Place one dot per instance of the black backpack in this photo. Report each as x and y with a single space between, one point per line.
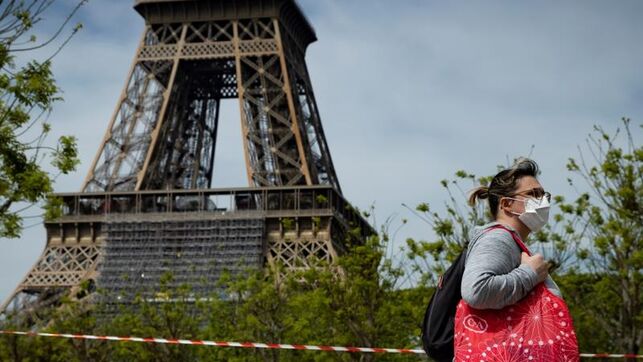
438 325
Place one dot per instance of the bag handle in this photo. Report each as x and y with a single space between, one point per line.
516 238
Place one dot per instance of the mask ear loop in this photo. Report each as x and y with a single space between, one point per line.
513 199
510 198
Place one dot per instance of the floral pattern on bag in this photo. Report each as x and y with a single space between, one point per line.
537 328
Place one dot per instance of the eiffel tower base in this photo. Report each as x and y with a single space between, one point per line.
124 243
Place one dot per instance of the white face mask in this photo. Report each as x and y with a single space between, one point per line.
536 212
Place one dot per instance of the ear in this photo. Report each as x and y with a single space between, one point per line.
505 203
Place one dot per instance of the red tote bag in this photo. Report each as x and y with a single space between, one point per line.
536 328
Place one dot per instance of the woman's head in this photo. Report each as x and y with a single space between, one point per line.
508 183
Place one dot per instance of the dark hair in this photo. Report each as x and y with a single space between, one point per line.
504 184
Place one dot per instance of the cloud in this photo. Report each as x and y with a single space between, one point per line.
409 92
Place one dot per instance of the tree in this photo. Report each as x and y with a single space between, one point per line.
612 247
364 304
593 243
28 92
453 228
356 302
171 313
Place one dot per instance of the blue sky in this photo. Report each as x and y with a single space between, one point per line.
409 92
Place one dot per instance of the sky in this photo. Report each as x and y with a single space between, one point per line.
409 92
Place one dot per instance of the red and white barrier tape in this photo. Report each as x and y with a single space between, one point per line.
605 355
220 344
263 345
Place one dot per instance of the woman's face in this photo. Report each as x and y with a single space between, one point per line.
528 186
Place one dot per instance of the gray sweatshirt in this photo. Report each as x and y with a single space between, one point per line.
493 276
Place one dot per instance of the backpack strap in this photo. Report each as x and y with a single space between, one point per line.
516 238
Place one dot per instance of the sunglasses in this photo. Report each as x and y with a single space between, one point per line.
536 193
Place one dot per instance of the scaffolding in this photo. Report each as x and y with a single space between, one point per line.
195 253
123 243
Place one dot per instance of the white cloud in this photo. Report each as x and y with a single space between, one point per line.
409 92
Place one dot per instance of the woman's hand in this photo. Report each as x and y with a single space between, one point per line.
537 263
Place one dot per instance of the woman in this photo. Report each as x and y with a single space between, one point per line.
506 312
497 272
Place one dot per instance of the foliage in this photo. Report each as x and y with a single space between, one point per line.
357 304
612 247
28 92
585 295
365 299
452 230
593 244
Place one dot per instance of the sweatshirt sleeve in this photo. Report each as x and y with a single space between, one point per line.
493 277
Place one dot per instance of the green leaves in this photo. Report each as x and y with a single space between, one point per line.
25 17
65 158
287 223
443 228
360 304
423 207
612 234
33 183
34 85
11 226
572 165
451 226
27 93
594 238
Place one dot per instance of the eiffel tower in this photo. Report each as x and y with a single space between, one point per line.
146 206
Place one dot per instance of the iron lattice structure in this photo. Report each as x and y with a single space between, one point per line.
192 55
146 206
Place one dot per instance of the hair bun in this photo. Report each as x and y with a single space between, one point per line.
479 193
